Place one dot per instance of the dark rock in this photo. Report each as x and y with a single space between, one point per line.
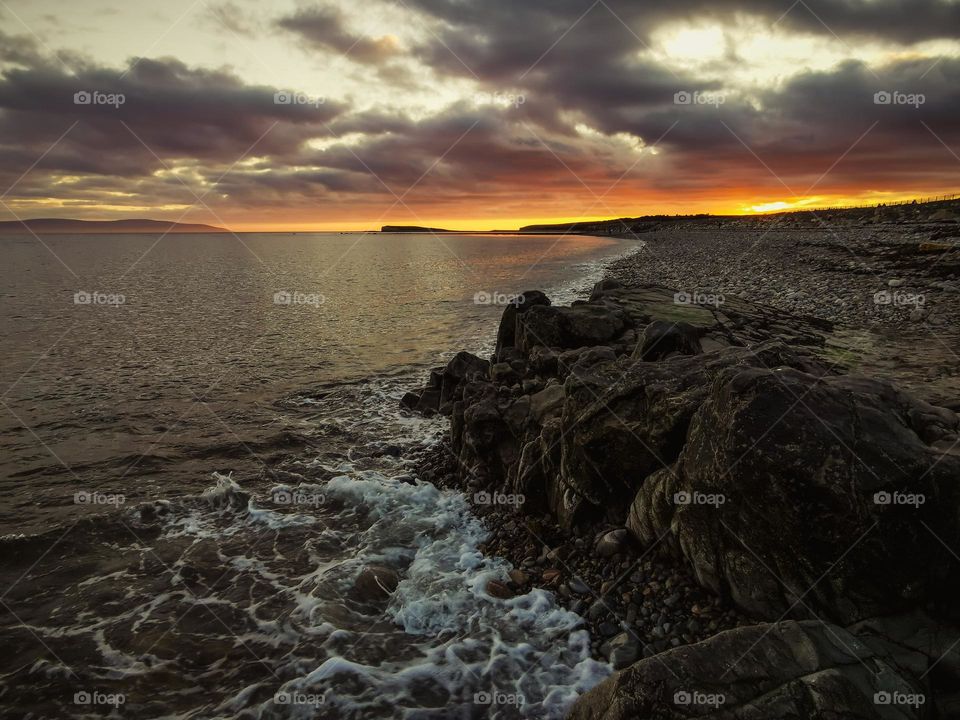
544 360
578 586
602 287
583 358
625 420
376 582
624 650
763 672
503 374
519 577
429 401
547 403
507 332
662 339
569 327
827 489
728 439
607 629
497 589
612 543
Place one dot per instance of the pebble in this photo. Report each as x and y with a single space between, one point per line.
612 543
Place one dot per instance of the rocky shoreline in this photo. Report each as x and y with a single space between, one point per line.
635 603
742 517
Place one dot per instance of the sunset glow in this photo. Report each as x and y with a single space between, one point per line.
324 116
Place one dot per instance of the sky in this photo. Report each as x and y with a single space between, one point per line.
471 114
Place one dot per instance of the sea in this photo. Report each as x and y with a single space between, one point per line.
203 449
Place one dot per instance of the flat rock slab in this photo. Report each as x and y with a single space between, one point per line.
790 669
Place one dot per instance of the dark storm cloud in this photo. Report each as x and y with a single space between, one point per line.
324 27
173 112
581 56
829 128
571 62
501 40
462 149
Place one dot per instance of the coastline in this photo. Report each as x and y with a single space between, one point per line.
545 555
538 422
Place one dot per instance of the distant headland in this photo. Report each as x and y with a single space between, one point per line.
64 226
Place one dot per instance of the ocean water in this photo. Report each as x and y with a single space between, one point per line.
202 449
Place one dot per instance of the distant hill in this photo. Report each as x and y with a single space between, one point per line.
411 229
935 210
62 226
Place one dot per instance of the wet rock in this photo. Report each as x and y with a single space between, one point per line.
612 542
497 589
608 628
429 401
551 576
376 582
598 609
410 400
578 586
519 577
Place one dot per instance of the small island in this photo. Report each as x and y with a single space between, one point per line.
411 229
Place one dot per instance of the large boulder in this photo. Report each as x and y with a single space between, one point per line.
624 420
581 325
507 332
784 671
836 495
445 384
